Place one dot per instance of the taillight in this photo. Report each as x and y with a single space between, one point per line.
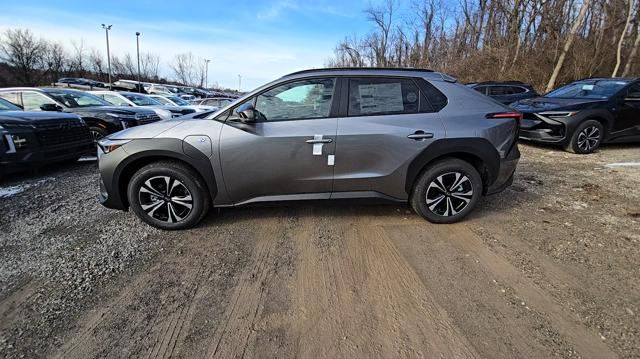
514 115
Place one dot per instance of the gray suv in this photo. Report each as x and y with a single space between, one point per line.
394 134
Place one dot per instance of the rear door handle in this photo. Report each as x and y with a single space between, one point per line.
323 140
420 135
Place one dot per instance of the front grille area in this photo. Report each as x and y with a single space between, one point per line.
57 132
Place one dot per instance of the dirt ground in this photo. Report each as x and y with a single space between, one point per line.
549 268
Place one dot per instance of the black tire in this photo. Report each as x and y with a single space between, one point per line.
458 177
97 133
586 138
172 210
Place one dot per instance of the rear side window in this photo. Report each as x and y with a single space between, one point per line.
500 90
481 89
376 96
518 89
13 97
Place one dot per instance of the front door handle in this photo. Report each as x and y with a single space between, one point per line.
321 140
420 135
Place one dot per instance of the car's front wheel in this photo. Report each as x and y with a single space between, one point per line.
168 195
447 191
586 138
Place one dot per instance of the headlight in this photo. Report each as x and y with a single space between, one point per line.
164 114
558 114
107 145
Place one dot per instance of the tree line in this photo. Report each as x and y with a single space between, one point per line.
28 60
542 42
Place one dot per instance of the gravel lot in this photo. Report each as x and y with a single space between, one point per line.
550 267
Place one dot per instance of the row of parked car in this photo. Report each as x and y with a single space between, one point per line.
44 125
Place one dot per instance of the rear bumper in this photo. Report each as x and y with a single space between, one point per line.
505 173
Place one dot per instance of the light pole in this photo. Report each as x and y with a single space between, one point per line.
239 82
206 73
106 31
138 50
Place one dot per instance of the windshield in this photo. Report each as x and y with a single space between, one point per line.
8 106
141 100
602 89
162 100
178 101
73 99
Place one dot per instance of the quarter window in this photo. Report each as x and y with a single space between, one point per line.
298 100
383 97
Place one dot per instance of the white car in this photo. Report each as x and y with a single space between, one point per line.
159 90
177 101
135 99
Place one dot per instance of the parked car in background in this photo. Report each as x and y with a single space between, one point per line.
101 117
177 101
134 99
584 114
218 102
505 91
31 139
80 81
404 135
159 90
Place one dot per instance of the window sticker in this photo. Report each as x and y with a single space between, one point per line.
587 87
381 98
412 97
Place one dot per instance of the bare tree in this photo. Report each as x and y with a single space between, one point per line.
621 40
567 45
55 59
632 55
22 50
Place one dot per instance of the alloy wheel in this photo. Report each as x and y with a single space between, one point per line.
449 194
165 199
97 136
588 138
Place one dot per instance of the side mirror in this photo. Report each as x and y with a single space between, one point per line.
50 107
246 112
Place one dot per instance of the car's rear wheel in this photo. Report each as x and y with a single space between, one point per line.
586 138
447 191
168 195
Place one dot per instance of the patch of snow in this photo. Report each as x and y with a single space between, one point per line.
623 164
6 192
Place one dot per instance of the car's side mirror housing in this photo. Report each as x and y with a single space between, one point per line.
50 107
246 113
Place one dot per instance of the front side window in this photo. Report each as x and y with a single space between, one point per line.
31 101
75 99
162 100
141 100
378 96
298 100
481 89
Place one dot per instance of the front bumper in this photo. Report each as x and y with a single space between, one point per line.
537 128
505 174
33 155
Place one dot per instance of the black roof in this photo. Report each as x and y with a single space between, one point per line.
510 82
410 69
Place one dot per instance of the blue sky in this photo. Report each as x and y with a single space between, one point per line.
259 40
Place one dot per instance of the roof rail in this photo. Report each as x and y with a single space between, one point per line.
411 69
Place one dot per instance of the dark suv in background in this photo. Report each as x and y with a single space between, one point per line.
30 139
395 134
584 114
101 117
505 91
